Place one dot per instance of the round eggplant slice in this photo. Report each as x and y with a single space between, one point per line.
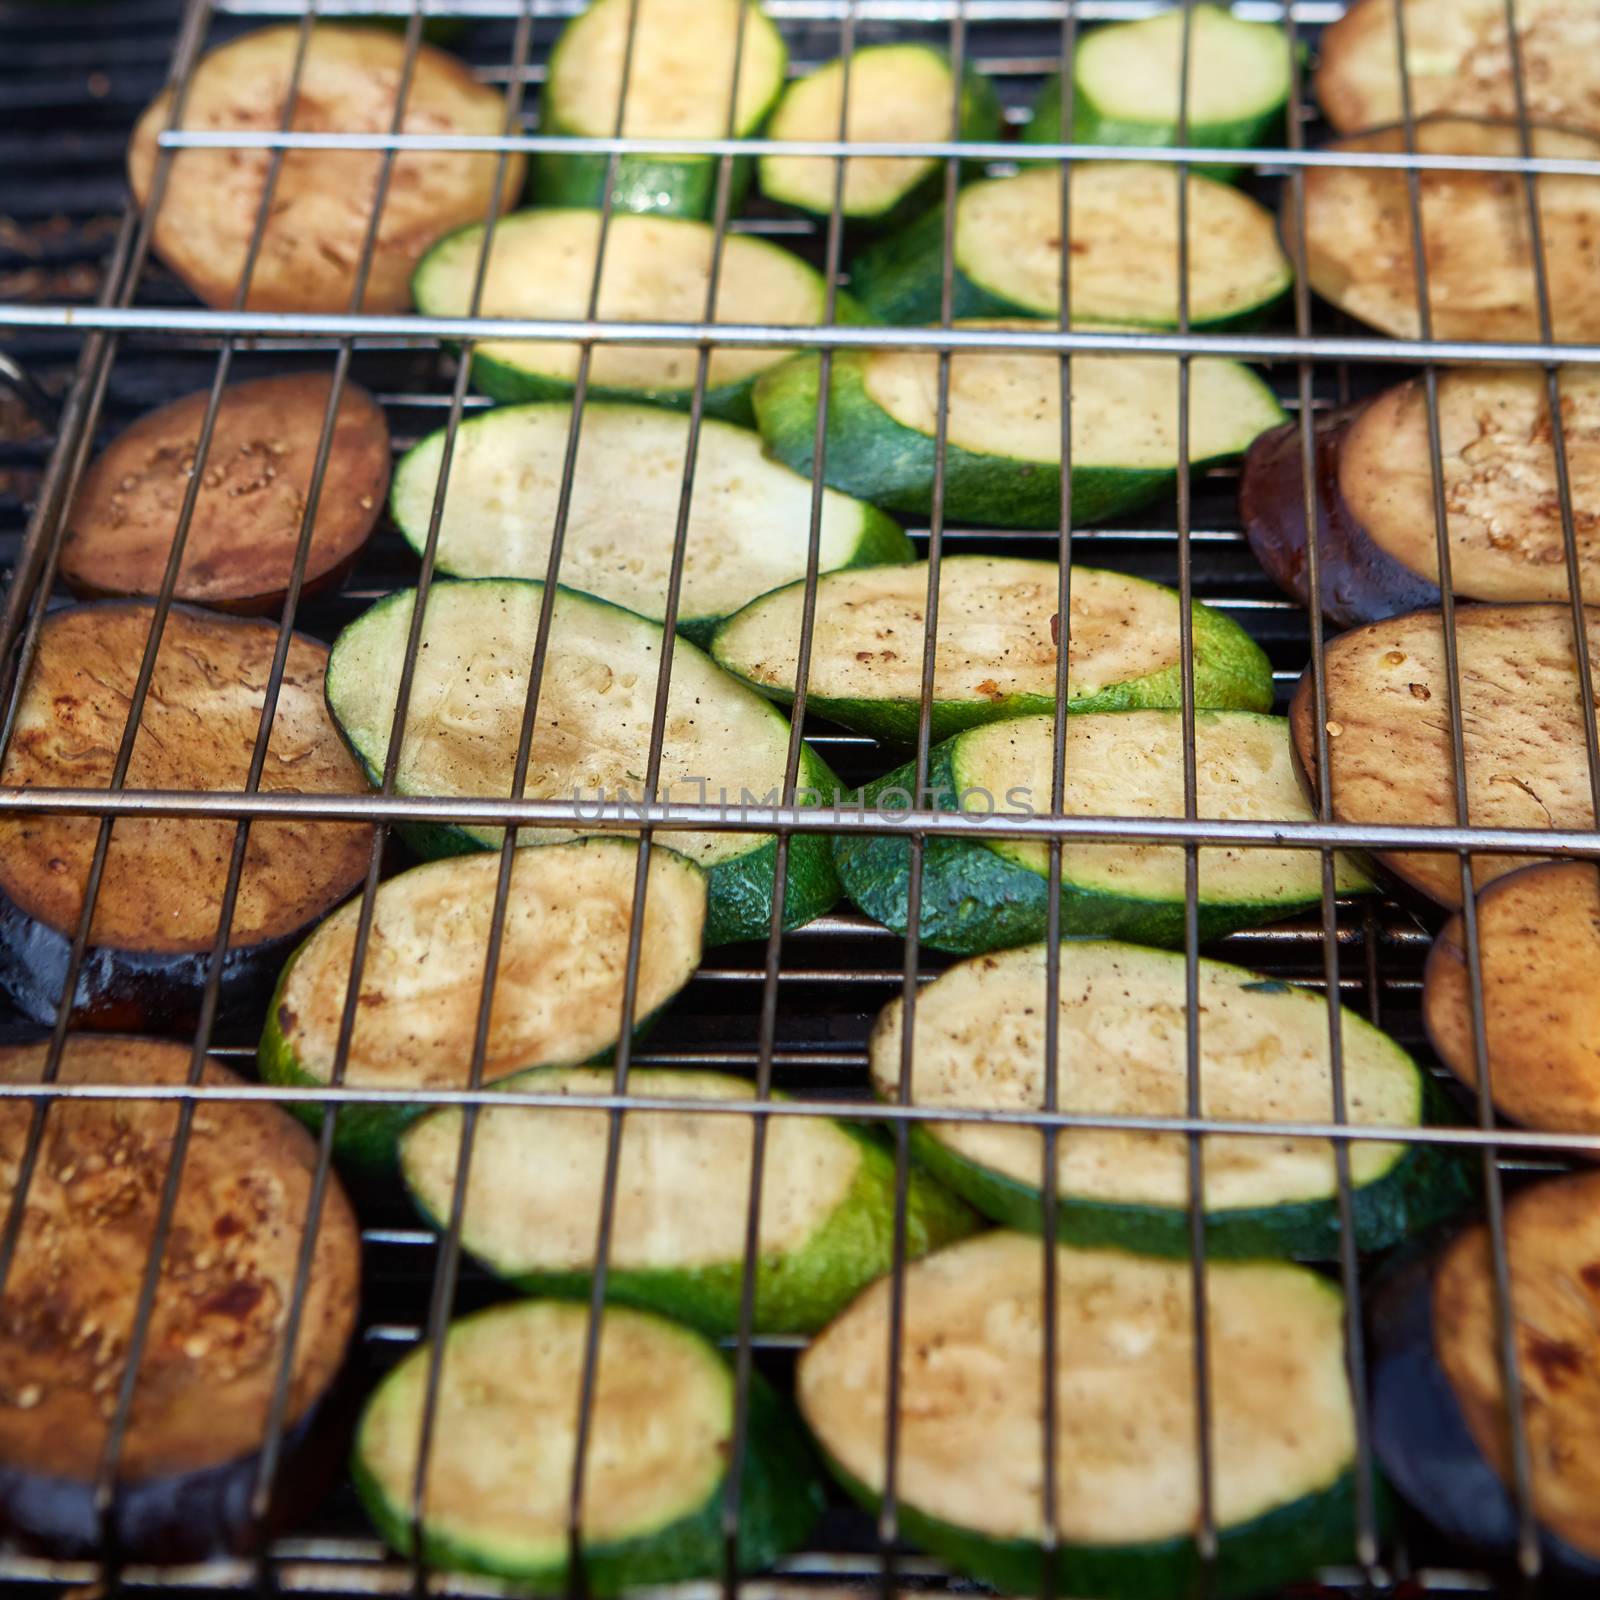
1458 59
1539 944
1476 240
215 1346
242 538
1441 1425
155 918
1389 736
322 201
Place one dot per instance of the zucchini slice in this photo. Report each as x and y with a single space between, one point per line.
155 918
683 1190
1124 251
900 92
499 1473
1459 61
723 745
1389 731
210 1365
749 520
322 201
1379 552
979 1045
970 1446
1003 428
246 525
1481 281
980 895
1126 89
558 990
656 269
997 649
1539 942
680 83
1440 1425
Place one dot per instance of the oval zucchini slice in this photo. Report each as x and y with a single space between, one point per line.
542 264
979 895
683 1190
1481 282
979 1045
1003 428
1124 251
723 745
749 519
322 201
996 654
1539 944
193 1453
899 92
970 1445
1125 81
558 989
1441 1425
499 1474
679 69
1459 60
1389 741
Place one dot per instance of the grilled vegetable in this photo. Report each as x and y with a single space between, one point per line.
988 895
246 524
979 1045
677 60
722 745
683 1191
969 1461
1124 251
500 1466
898 92
1479 257
1441 1426
1003 428
656 269
322 202
1389 736
749 523
215 1347
1374 484
1539 943
997 646
558 989
155 918
1458 60
1126 82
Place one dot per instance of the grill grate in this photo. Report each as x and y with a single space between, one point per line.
87 311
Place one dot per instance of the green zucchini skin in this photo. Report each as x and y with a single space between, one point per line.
872 456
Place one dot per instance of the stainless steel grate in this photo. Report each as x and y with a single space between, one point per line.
794 1014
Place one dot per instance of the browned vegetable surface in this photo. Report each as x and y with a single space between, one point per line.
322 202
216 1334
247 517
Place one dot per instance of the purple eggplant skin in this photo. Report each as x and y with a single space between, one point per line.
1359 582
1423 1445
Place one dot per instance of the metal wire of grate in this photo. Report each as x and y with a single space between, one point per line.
792 1013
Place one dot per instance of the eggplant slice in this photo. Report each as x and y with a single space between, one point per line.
212 1357
1375 502
1441 1426
155 919
1389 731
1476 237
1539 943
1458 59
246 525
322 202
